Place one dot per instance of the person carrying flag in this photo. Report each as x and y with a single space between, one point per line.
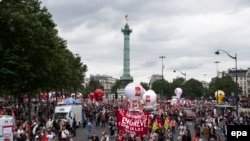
1 111
166 123
155 124
173 125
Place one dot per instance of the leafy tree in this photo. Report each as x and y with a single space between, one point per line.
206 93
78 73
177 83
27 37
160 85
144 85
115 86
226 84
193 88
33 57
93 84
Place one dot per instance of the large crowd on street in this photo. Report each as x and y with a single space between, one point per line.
210 124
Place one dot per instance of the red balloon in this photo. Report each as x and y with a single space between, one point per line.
98 94
91 95
99 91
96 97
43 95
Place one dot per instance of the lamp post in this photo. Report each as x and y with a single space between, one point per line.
217 74
236 76
162 67
183 73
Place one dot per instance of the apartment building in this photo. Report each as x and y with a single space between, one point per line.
153 78
106 81
243 79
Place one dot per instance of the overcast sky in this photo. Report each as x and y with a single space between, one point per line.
186 32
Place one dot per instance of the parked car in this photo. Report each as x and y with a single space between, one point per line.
189 114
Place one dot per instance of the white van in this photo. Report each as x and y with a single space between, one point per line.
68 112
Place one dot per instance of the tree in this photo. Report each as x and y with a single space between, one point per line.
93 84
177 83
27 37
226 84
144 85
160 85
33 57
115 86
193 88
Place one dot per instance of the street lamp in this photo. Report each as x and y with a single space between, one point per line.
183 73
162 67
236 75
217 73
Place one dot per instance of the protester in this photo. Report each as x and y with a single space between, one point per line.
89 127
94 137
104 136
64 134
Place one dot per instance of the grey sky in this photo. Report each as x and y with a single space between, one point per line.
186 32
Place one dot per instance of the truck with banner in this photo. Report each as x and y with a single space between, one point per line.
6 127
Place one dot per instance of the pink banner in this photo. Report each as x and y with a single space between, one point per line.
132 122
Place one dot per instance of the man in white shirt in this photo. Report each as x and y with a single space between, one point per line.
64 133
20 131
49 123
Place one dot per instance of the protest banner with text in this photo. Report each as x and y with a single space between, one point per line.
132 122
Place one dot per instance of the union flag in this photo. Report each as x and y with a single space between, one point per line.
155 124
166 122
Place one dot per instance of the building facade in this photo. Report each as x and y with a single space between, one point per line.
106 81
243 80
248 81
153 78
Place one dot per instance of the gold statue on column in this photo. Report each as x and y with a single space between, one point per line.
126 18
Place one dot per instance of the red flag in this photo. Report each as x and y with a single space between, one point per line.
149 120
1 111
195 136
44 137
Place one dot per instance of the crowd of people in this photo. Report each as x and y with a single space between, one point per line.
210 123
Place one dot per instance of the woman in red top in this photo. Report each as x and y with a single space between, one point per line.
120 136
1 111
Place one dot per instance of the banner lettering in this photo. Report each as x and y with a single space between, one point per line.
132 122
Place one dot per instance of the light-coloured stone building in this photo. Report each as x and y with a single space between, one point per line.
106 81
243 79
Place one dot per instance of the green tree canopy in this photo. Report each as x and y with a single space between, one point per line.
92 85
161 87
193 89
144 85
177 83
33 57
226 84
